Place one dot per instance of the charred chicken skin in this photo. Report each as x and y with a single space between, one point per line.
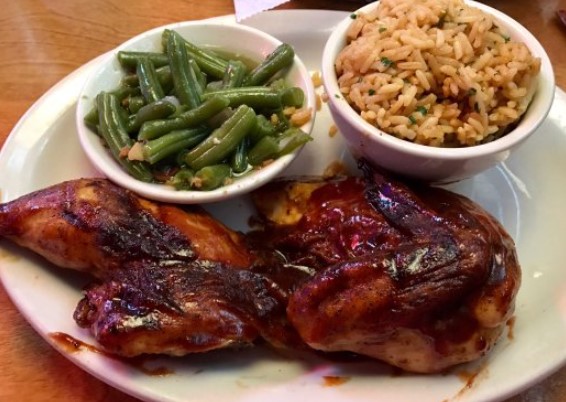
417 277
94 226
183 308
170 279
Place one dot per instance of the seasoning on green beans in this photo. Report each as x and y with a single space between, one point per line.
112 129
195 119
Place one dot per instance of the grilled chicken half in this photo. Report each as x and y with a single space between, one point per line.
418 277
169 280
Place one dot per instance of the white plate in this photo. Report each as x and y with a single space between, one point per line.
527 195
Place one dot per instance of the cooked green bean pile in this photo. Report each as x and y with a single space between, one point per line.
195 119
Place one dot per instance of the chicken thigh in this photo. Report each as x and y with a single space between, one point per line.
170 280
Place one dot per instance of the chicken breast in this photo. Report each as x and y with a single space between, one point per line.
415 276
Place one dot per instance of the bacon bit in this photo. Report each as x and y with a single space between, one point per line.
316 79
135 153
335 169
318 102
196 182
124 152
289 110
332 131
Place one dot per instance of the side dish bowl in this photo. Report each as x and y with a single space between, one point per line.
249 44
425 162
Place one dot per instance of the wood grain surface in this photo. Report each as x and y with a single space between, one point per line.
42 41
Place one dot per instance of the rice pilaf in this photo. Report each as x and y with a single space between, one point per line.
435 72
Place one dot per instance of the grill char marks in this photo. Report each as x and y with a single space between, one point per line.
180 309
412 275
94 226
418 277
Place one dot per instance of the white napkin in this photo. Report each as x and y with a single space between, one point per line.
247 8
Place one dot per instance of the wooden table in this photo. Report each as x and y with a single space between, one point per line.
43 41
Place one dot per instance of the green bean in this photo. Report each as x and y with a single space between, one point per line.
211 177
129 59
180 110
279 84
209 62
114 133
124 115
135 103
227 118
91 119
122 92
266 148
262 129
157 110
200 76
172 143
239 159
149 84
190 118
293 96
213 86
255 97
274 147
234 74
278 60
130 80
182 179
163 76
223 141
291 139
220 117
185 81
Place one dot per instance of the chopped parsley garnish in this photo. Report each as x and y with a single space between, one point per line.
413 120
337 96
387 62
422 110
506 38
382 29
472 92
371 91
353 16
